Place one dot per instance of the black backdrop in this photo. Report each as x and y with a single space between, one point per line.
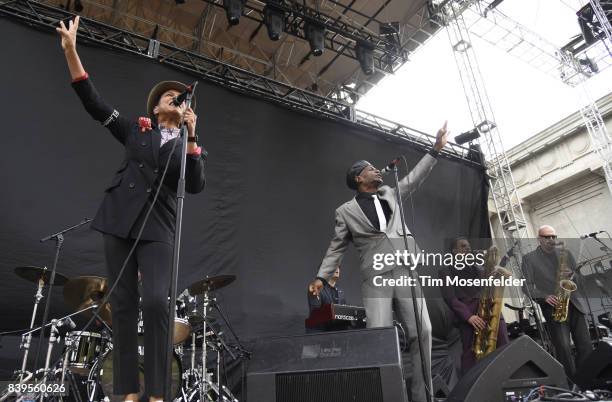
275 177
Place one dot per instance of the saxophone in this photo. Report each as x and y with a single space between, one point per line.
565 287
489 307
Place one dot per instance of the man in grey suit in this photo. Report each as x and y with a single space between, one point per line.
540 267
371 221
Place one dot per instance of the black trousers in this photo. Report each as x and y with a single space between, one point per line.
154 261
576 325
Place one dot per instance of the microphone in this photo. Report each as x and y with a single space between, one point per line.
594 235
178 100
387 169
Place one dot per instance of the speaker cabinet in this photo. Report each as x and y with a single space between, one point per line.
345 366
509 373
596 370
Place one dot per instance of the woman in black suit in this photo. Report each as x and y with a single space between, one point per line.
121 218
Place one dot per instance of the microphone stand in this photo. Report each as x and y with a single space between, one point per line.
417 316
59 241
582 288
536 311
180 198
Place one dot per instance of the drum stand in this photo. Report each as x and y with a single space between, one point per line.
26 340
197 378
53 338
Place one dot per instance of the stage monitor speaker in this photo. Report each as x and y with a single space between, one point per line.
509 373
596 370
357 366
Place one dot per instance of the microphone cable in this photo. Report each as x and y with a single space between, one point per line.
419 311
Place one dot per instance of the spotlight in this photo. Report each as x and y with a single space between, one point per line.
468 136
315 34
153 48
485 126
365 56
461 46
233 10
274 18
475 154
590 64
390 31
588 24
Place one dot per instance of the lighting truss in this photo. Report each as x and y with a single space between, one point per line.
340 36
214 71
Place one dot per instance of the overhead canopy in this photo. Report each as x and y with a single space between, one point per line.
201 26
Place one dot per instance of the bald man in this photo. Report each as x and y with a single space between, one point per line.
541 266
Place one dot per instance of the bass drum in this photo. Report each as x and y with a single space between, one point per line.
104 370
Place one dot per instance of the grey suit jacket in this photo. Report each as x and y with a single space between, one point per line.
541 273
352 225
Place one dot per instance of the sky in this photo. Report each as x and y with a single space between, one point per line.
427 89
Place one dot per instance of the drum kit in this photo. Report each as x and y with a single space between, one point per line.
86 361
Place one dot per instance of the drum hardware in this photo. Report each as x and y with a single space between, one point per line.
101 375
182 327
86 360
85 291
83 349
40 277
53 338
211 338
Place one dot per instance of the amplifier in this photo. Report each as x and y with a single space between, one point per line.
345 366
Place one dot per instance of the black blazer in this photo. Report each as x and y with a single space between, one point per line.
541 274
132 189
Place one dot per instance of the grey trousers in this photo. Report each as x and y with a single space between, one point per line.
577 326
381 302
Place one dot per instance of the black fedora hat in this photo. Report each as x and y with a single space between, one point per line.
159 89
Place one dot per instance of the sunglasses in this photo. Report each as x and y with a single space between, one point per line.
551 237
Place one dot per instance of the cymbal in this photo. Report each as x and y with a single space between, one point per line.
84 291
213 283
33 274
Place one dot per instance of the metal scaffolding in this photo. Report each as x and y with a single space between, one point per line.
494 27
503 188
601 141
574 64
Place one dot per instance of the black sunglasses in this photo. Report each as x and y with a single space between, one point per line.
550 237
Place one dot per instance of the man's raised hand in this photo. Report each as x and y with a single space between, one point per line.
441 137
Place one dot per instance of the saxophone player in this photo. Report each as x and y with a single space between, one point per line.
464 301
542 268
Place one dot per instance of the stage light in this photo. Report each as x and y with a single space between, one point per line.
153 47
475 154
462 46
492 6
315 34
233 10
486 126
588 24
365 56
468 136
590 64
274 18
389 30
